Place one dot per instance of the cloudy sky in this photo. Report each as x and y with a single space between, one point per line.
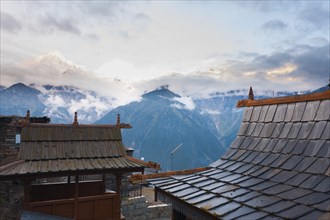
195 47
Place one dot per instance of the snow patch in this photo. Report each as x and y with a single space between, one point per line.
210 112
184 103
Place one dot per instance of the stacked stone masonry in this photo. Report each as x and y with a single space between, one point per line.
138 209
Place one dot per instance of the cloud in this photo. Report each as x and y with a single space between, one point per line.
73 17
315 15
106 10
300 67
314 63
142 17
9 23
273 25
52 24
269 6
52 68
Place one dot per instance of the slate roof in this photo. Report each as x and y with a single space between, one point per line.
48 149
277 167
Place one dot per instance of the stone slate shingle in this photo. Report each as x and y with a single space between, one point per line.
310 111
263 113
323 111
299 110
289 112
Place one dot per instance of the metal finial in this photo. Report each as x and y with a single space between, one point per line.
75 121
251 95
118 120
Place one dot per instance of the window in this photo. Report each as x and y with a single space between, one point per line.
18 139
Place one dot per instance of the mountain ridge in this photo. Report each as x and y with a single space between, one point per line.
161 119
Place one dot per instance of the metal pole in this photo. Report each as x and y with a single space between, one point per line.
171 161
177 147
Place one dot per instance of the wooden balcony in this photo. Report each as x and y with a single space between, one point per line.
89 207
83 200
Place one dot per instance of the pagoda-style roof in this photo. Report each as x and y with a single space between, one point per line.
57 149
277 167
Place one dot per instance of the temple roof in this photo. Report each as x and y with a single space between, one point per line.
57 149
278 166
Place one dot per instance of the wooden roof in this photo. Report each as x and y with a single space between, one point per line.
277 167
58 132
47 149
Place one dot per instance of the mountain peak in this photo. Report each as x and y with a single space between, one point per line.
162 91
21 87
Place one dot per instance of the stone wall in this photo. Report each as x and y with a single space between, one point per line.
8 147
137 208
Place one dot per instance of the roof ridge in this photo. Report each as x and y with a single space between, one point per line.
286 99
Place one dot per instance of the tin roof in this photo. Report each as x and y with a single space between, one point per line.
278 166
47 149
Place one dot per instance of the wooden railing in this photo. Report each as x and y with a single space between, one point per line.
90 207
56 191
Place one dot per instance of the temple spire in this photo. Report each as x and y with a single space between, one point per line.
118 120
75 121
27 118
251 95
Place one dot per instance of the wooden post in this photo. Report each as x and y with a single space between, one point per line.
27 190
76 195
156 194
103 185
118 190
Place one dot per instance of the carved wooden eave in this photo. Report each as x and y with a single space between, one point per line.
282 100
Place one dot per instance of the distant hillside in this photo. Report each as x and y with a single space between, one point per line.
322 89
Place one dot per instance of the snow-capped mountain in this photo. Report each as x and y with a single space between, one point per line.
62 101
161 121
57 102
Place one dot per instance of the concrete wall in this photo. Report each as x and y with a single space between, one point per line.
138 209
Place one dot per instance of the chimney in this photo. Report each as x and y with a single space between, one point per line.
251 95
75 121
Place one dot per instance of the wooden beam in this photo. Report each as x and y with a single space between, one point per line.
282 100
140 177
148 164
27 191
70 173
